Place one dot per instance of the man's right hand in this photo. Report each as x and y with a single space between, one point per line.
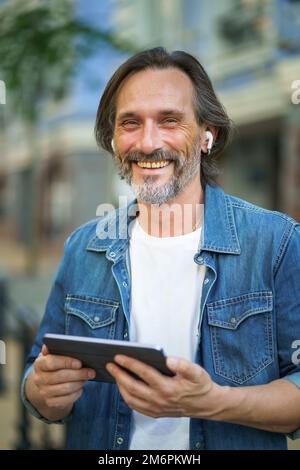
55 383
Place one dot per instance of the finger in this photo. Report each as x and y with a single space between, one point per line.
147 373
64 389
135 403
45 350
145 406
133 386
188 370
66 375
52 362
62 402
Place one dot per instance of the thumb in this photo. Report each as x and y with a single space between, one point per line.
186 369
45 350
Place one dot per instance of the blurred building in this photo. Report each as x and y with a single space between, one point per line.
251 50
72 175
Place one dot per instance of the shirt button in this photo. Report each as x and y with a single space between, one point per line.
206 281
112 254
96 318
201 260
124 284
125 334
120 440
198 445
233 320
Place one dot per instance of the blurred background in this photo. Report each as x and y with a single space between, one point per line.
55 59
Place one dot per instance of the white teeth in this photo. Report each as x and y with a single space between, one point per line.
160 164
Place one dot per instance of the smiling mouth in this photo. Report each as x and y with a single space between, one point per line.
149 164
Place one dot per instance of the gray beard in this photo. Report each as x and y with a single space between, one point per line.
185 170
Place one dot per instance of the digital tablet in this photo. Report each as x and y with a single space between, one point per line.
96 353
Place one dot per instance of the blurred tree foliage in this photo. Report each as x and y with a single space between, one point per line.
41 44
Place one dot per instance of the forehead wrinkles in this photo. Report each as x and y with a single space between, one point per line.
171 86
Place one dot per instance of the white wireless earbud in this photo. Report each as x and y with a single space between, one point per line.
210 139
113 145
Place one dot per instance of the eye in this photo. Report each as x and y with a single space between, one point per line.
170 121
130 124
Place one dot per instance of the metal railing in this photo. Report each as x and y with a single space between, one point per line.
25 321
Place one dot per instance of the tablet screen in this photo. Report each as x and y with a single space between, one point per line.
96 353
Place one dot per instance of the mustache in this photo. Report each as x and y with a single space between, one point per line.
156 156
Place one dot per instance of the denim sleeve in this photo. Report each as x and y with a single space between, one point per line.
287 305
53 322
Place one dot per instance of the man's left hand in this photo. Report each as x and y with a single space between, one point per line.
191 392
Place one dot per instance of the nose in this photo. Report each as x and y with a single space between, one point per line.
149 139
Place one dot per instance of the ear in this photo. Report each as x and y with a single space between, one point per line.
209 137
210 140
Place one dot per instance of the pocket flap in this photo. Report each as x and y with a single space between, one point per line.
229 313
93 310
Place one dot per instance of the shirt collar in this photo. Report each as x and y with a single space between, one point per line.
219 233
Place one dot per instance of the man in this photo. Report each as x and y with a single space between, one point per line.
221 295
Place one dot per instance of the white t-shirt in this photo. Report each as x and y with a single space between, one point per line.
165 307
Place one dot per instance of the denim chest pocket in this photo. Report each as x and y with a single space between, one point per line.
90 316
241 335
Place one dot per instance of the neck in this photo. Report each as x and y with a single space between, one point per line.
176 217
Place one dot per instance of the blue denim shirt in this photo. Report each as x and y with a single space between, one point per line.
249 320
